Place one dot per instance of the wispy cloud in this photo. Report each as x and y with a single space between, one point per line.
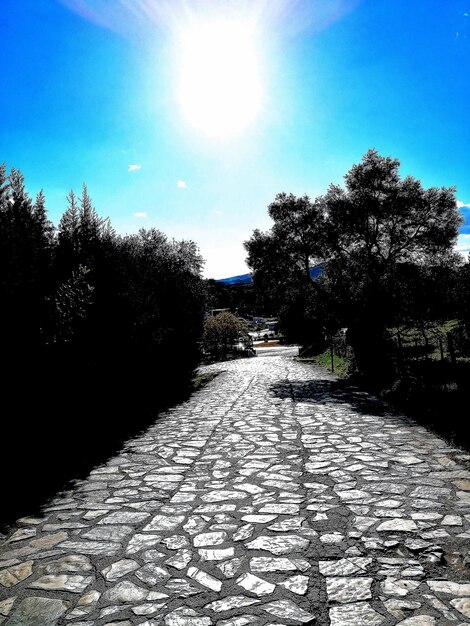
461 205
140 214
134 167
217 212
181 184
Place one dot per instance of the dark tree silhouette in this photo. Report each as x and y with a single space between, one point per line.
364 235
98 331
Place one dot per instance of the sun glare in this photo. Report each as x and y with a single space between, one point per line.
219 81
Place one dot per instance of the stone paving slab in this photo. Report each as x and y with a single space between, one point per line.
270 497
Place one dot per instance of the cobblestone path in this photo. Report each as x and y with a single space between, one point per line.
270 497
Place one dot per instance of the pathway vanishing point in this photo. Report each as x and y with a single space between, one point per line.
269 498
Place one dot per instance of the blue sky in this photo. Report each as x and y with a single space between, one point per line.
90 88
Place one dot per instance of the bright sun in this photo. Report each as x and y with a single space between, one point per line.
219 88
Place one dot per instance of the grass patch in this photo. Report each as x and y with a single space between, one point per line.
341 365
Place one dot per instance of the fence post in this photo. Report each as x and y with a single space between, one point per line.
450 343
332 354
441 348
400 353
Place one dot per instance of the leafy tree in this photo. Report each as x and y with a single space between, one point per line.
72 301
281 260
375 226
114 323
25 261
222 332
68 247
364 234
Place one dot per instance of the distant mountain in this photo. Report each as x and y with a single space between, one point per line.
242 279
247 279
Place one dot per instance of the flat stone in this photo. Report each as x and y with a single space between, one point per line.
184 616
182 588
221 495
6 605
256 585
447 587
431 493
119 569
89 598
97 548
164 522
72 563
230 568
408 460
331 538
241 620
180 559
397 525
95 514
33 611
195 524
463 484
216 555
15 574
150 556
148 608
426 515
441 607
250 488
452 520
297 584
244 532
124 517
141 542
286 544
462 605
215 508
175 542
109 533
62 582
204 579
48 541
259 519
345 589
126 591
345 567
152 574
417 545
271 564
22 534
209 539
292 523
280 509
398 608
286 609
356 614
418 620
401 588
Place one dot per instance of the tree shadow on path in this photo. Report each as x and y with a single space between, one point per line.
324 391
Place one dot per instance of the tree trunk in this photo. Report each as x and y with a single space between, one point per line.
367 338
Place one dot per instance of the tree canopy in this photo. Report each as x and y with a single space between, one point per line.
372 238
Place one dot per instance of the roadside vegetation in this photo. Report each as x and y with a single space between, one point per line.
98 332
368 272
225 335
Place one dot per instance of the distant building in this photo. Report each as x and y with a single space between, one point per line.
214 312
